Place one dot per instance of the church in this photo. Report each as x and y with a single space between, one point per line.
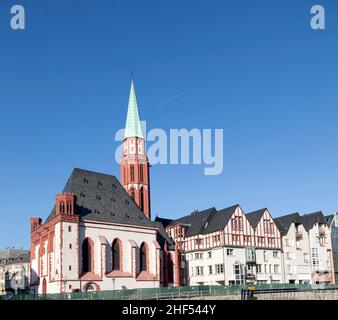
99 234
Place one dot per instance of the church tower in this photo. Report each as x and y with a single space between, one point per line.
134 165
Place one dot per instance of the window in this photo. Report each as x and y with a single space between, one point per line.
288 242
116 255
70 246
199 271
246 239
275 254
276 268
289 255
261 241
270 268
217 238
290 269
237 223
235 237
70 268
132 173
230 252
315 258
132 194
306 257
87 254
239 274
209 254
265 256
210 269
198 242
219 268
141 199
198 255
141 172
69 228
259 268
143 257
266 224
250 254
265 268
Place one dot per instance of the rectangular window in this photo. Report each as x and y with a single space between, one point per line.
198 255
265 256
265 268
69 228
210 269
315 258
276 254
70 268
276 268
289 255
246 239
306 257
230 252
219 268
261 241
199 271
209 254
287 242
259 268
70 246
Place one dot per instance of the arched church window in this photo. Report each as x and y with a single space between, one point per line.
62 207
116 254
132 174
87 255
141 172
143 257
132 194
141 199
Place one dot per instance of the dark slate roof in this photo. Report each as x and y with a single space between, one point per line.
195 221
163 221
11 255
308 220
255 216
283 223
162 236
220 219
329 219
101 197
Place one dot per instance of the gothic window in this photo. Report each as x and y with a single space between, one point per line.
141 172
116 254
132 174
87 254
143 257
170 268
142 199
62 207
132 193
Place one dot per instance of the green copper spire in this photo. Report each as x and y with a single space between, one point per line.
133 123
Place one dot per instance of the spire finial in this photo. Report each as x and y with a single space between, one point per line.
132 75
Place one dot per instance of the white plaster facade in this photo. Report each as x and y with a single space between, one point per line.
59 264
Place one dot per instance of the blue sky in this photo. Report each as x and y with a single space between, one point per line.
254 68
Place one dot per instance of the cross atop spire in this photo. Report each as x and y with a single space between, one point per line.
133 123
